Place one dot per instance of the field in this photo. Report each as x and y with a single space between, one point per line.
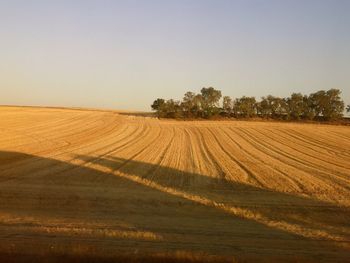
89 182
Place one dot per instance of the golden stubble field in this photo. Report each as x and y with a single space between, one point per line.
103 182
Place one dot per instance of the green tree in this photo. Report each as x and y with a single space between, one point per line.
271 106
210 101
335 106
158 106
188 104
227 105
295 106
308 108
318 101
327 104
348 108
245 107
263 108
282 110
197 109
172 109
277 106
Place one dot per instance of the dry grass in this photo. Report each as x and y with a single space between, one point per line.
133 187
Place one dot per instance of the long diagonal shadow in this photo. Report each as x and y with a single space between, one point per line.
160 208
183 184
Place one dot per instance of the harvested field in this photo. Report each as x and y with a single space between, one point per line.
79 182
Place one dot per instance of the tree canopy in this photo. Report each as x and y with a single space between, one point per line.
321 105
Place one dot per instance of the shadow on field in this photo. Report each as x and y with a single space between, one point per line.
117 210
316 218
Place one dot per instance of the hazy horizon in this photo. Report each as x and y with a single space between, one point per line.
124 54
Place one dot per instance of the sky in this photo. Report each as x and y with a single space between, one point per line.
125 54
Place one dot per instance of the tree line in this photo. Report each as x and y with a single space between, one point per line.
209 103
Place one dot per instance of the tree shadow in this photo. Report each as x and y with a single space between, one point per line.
123 206
302 216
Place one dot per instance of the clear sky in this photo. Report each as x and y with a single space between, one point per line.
124 54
